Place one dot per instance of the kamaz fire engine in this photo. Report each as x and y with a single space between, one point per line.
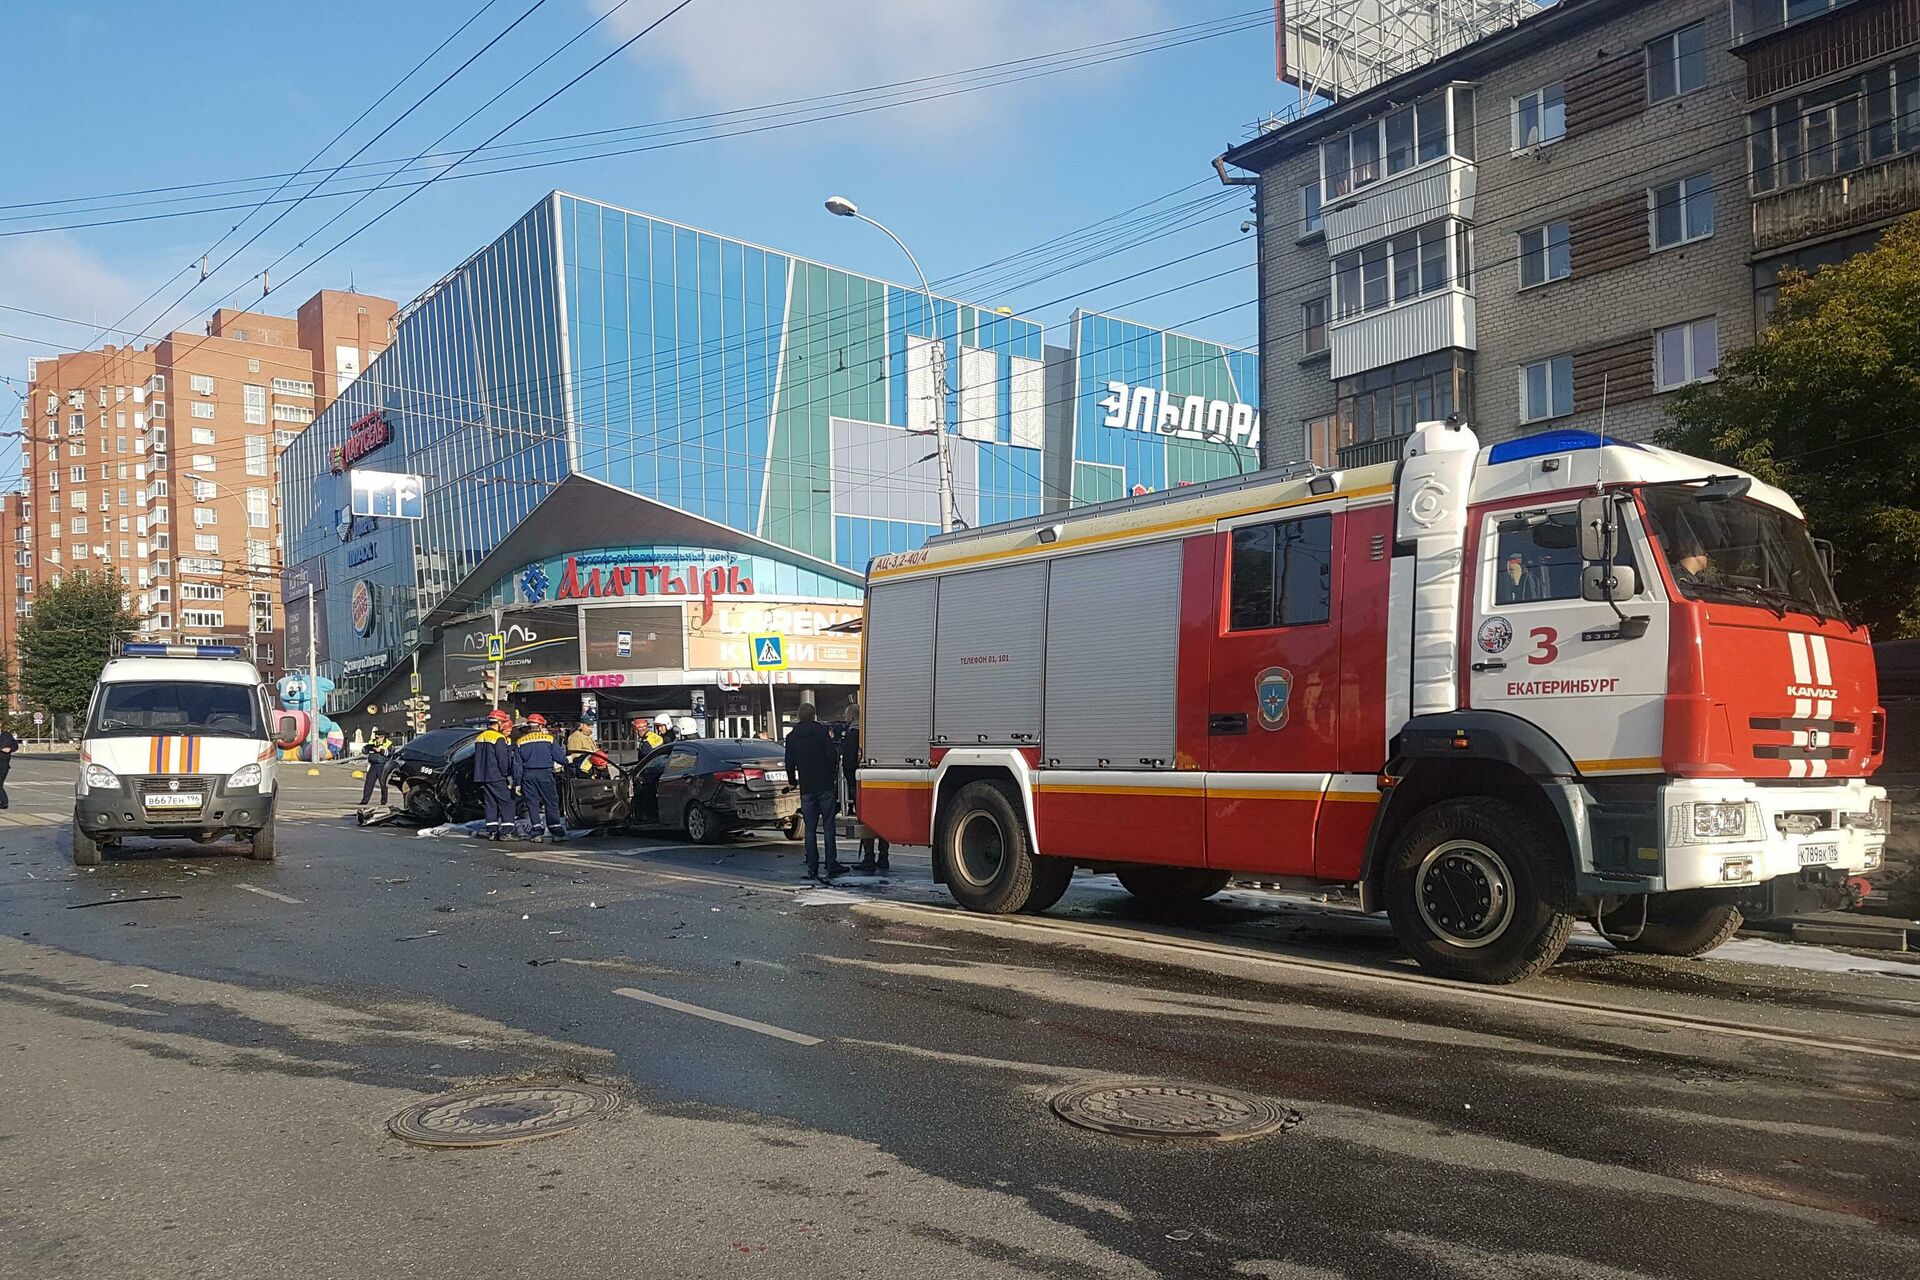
1498 689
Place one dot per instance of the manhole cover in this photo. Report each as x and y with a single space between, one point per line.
1171 1111
491 1117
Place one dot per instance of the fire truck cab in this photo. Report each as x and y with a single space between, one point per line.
1500 689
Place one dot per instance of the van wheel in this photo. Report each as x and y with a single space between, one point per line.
1479 890
1691 922
260 847
988 855
86 852
1172 888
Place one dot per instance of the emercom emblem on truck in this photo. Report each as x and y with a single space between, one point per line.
1274 688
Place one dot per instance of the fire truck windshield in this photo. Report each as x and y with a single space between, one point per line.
1741 551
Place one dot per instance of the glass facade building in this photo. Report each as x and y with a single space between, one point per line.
748 406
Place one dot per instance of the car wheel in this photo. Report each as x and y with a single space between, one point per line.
793 828
1479 889
422 805
700 824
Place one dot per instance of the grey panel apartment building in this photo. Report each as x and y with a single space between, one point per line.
1571 218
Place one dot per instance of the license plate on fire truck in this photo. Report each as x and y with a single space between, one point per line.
1819 855
175 800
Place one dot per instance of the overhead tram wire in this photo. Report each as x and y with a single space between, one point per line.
1212 28
826 117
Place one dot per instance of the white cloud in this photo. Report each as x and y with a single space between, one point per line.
740 53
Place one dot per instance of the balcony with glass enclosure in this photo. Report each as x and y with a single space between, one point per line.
1403 297
1401 170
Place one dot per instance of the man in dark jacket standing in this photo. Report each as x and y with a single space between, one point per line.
379 764
9 747
850 770
541 760
496 768
813 762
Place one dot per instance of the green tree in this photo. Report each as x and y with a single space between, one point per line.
68 637
1826 404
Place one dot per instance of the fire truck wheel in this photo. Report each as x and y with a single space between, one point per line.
1688 923
1051 876
1478 890
1172 888
989 857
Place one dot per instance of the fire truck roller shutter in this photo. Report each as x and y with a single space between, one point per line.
990 639
899 692
1113 648
1476 752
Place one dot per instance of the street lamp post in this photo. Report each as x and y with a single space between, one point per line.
841 207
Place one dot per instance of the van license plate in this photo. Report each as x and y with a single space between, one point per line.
1819 855
176 800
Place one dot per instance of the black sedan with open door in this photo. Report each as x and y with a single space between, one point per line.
434 776
707 787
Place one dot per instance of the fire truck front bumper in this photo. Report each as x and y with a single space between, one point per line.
1733 834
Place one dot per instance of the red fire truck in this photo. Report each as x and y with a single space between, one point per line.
1498 689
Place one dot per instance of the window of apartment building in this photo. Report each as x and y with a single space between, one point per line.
254 403
1414 134
77 399
124 544
202 462
1313 325
202 591
292 387
1409 265
78 551
282 437
102 397
1318 433
200 565
162 541
1546 389
76 424
211 619
119 394
292 413
259 512
119 419
259 553
76 448
203 435
1539 117
202 383
253 366
1862 120
258 460
1677 63
1310 223
204 516
120 444
1385 403
1545 254
157 409
202 409
78 525
1682 211
1282 574
203 490
77 474
55 529
1684 353
206 542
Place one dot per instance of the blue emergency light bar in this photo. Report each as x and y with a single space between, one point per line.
142 650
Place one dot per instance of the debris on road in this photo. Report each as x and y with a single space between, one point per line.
108 902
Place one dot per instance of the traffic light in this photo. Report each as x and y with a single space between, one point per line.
419 712
491 685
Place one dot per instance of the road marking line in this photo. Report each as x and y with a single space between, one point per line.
714 1015
266 893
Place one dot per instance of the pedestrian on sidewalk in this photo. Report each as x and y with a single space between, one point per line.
379 764
496 768
850 770
813 762
9 747
541 761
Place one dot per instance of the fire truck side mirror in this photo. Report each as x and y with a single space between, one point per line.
1597 529
1824 551
1609 582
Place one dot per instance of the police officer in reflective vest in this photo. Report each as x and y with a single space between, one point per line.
496 768
541 760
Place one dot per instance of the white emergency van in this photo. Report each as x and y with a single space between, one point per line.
179 743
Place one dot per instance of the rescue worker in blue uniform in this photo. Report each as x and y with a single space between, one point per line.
541 761
496 768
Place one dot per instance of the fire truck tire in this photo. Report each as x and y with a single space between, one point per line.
989 858
86 850
1051 876
1172 888
1478 890
1688 923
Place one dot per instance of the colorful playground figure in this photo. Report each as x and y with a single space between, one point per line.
296 695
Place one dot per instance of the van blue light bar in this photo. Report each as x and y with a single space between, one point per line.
143 650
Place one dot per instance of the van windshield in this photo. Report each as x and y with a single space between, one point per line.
134 708
1742 551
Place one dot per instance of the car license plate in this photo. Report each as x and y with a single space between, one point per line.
176 800
775 775
1819 855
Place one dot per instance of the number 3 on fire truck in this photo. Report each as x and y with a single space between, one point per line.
1546 646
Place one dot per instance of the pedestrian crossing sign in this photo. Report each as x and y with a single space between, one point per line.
769 653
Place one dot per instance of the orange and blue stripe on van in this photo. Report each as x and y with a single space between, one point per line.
173 755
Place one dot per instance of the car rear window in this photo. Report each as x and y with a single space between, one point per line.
436 742
744 752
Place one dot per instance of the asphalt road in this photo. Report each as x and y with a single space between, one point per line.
855 1082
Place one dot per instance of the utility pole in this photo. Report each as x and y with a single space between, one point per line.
313 685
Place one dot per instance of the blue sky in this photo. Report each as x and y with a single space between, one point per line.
120 95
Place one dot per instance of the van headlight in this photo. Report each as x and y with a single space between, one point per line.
1703 822
247 775
101 778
